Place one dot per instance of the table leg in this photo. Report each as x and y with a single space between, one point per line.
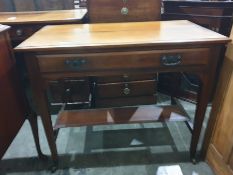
39 96
32 117
43 109
203 99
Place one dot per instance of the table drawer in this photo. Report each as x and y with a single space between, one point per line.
123 60
129 89
69 91
125 78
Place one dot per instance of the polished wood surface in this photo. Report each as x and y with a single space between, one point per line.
219 154
12 108
123 11
37 17
66 37
171 42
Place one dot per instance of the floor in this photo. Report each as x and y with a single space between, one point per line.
111 150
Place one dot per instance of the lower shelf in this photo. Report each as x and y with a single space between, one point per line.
122 115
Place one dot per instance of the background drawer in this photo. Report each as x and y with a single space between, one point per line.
113 10
125 78
121 60
22 32
128 101
70 91
129 89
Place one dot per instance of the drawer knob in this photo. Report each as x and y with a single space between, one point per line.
75 63
125 76
124 11
19 32
126 90
171 60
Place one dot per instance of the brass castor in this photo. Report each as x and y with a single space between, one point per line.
194 161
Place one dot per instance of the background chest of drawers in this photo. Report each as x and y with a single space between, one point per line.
215 15
124 89
24 24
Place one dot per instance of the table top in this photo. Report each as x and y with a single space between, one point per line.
112 35
51 17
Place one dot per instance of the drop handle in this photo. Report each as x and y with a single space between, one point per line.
75 63
171 60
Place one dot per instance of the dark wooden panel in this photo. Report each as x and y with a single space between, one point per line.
125 101
22 32
12 107
50 4
70 91
6 6
69 4
55 4
112 10
24 5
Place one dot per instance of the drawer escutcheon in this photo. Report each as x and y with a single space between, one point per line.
171 60
75 63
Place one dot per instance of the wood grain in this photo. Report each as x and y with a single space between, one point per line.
219 154
121 35
37 17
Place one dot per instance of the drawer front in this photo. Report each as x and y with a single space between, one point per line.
123 10
138 88
123 60
128 101
125 78
21 32
69 90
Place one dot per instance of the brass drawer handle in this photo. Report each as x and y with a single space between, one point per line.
124 11
171 60
75 63
126 90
